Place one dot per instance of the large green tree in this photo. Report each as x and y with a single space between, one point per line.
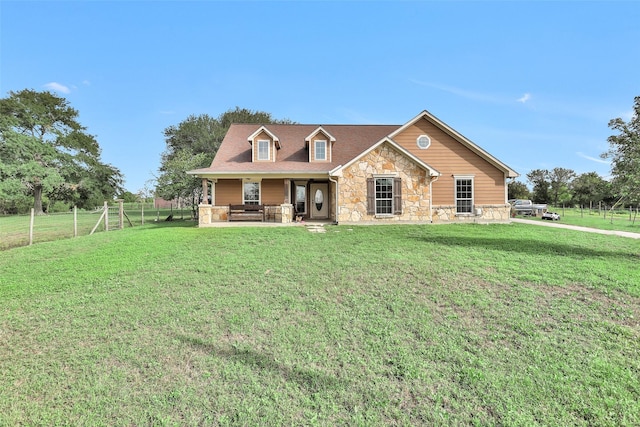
518 190
551 186
46 152
624 152
539 179
559 185
589 188
193 144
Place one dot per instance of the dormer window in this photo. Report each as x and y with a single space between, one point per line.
320 149
263 149
264 145
320 143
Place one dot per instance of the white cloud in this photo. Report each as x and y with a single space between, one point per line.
593 159
57 87
525 98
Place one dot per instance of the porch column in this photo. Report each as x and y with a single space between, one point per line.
205 195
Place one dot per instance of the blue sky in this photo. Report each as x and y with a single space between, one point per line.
534 83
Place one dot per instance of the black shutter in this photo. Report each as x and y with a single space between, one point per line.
371 197
397 196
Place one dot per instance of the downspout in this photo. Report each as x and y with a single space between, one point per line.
431 181
336 202
335 181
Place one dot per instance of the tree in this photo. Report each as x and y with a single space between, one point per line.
559 184
624 152
589 188
193 144
45 152
539 179
518 190
551 186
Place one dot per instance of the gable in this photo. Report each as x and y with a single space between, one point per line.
446 152
320 144
445 141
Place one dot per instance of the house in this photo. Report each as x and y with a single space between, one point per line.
422 171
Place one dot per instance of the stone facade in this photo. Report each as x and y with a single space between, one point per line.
352 199
482 214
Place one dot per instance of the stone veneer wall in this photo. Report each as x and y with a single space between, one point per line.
490 213
384 160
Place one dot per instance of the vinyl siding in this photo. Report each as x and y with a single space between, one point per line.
450 157
272 191
228 192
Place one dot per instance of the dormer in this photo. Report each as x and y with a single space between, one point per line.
263 145
320 143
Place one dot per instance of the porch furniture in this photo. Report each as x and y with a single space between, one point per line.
246 213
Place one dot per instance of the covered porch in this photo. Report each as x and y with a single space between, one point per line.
270 200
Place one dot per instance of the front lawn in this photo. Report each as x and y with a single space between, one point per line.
381 325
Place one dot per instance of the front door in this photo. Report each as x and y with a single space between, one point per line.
319 201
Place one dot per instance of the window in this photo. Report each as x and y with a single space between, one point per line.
384 196
321 150
251 193
263 149
423 141
301 198
464 195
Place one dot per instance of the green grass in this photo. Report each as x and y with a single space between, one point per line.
594 219
14 230
387 325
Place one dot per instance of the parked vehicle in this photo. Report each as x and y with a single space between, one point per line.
551 216
527 207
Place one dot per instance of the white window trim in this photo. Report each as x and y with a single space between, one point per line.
268 149
455 193
428 142
248 181
315 150
375 199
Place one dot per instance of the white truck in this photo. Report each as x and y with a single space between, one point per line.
527 207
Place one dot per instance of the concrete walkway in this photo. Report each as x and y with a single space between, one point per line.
577 228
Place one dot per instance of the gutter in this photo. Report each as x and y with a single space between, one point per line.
337 192
431 181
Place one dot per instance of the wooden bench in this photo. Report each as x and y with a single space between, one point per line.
246 213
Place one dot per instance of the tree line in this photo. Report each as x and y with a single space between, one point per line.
561 186
47 156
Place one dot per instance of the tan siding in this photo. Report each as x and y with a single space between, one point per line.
228 192
320 136
272 191
450 157
262 136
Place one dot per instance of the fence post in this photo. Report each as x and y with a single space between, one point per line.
120 213
31 227
142 212
106 216
75 221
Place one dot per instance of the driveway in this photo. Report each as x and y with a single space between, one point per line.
577 228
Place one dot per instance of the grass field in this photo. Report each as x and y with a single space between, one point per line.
14 229
168 324
620 220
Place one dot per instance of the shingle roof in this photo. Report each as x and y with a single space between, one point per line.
234 154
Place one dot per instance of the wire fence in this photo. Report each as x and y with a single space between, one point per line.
23 230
